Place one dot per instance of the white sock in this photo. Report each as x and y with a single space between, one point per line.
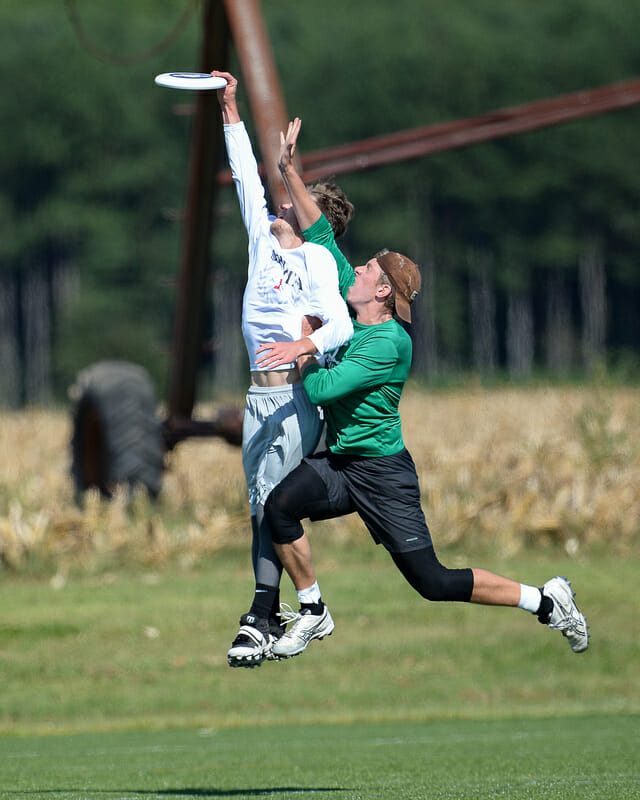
530 598
310 595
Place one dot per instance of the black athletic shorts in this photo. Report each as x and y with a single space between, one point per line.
383 490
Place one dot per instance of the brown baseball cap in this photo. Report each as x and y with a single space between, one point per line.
405 277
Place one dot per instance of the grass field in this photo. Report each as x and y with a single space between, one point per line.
591 757
118 687
148 650
115 620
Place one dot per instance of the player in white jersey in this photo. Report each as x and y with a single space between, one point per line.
288 278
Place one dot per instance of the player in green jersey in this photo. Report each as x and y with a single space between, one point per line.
366 468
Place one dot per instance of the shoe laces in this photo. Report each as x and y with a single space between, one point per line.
287 614
569 624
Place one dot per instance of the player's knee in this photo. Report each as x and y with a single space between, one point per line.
431 579
435 585
283 523
441 584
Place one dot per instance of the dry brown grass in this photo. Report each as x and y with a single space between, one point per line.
504 468
520 466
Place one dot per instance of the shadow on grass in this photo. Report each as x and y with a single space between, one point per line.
192 792
284 790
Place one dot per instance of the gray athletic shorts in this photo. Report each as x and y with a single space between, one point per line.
281 426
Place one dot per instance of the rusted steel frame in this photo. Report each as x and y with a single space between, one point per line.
447 136
207 147
262 86
227 425
416 142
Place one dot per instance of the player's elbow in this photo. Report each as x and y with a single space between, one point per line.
345 331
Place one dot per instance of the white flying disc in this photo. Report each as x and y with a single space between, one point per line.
190 80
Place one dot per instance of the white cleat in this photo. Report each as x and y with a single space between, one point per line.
252 644
566 616
306 627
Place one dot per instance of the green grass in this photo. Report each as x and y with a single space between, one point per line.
591 757
125 651
116 686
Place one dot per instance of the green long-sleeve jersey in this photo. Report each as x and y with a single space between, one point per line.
360 394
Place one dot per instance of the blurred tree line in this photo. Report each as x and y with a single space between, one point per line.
528 244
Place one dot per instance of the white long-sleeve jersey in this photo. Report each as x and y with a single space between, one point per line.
282 284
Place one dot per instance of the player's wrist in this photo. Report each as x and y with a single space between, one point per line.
304 361
286 169
306 347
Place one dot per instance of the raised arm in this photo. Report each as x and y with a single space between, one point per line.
244 167
304 205
227 98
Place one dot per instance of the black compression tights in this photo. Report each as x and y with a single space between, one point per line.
302 494
431 579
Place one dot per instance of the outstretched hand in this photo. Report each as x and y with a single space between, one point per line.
227 95
288 144
305 206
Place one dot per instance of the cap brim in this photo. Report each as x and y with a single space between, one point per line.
403 309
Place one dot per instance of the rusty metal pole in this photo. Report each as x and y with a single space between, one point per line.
207 148
423 141
262 85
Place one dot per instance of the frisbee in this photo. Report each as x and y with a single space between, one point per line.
198 81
